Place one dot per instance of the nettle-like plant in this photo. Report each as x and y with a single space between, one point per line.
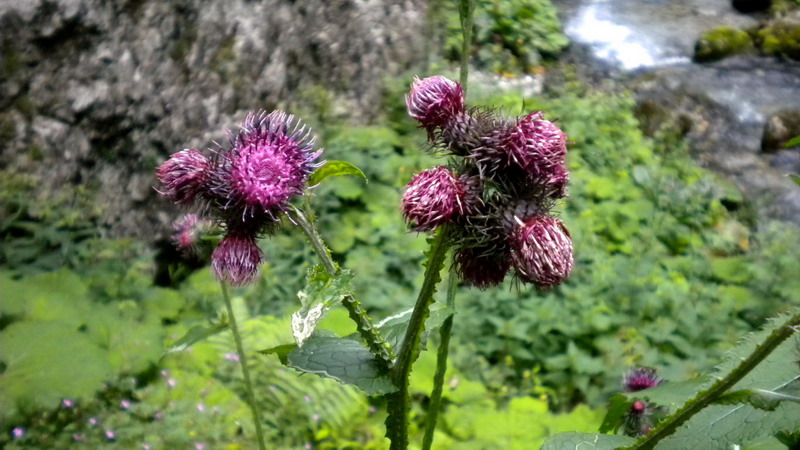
488 210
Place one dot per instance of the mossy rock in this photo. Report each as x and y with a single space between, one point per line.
721 42
781 39
780 128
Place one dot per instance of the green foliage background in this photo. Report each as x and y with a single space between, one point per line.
670 271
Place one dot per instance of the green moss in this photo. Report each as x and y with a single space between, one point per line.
781 39
721 42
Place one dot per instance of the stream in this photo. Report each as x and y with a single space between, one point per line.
647 46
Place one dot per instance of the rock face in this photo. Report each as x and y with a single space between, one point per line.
99 92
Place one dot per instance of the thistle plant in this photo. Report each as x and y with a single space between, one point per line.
245 188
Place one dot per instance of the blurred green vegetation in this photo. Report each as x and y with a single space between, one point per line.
670 272
510 36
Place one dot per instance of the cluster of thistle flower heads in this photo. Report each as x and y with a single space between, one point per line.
498 190
245 188
639 419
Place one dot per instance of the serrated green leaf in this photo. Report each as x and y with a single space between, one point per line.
795 178
721 426
618 407
393 328
586 441
758 398
344 360
334 169
195 334
322 293
281 351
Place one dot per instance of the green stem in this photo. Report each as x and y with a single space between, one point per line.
441 361
248 382
708 396
398 403
371 335
465 9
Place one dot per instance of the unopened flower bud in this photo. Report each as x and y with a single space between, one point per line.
436 196
183 176
236 259
541 251
434 101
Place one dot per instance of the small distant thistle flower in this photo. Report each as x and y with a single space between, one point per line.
184 176
638 420
188 231
434 101
436 196
541 251
640 378
236 259
18 433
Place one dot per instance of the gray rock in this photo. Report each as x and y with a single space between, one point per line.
780 128
101 92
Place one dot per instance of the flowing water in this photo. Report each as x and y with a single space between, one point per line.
648 45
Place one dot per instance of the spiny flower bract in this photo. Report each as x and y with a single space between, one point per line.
183 176
236 259
434 101
436 196
541 251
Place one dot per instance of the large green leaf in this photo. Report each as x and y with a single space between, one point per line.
342 359
322 293
63 364
334 169
393 328
586 441
759 398
723 426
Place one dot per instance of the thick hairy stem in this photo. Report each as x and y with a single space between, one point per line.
441 362
708 396
398 403
248 382
371 335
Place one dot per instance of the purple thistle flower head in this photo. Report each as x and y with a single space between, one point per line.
236 259
183 176
436 196
272 157
534 144
434 101
482 268
541 251
640 378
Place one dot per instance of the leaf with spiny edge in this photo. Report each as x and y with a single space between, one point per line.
322 293
586 441
719 426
